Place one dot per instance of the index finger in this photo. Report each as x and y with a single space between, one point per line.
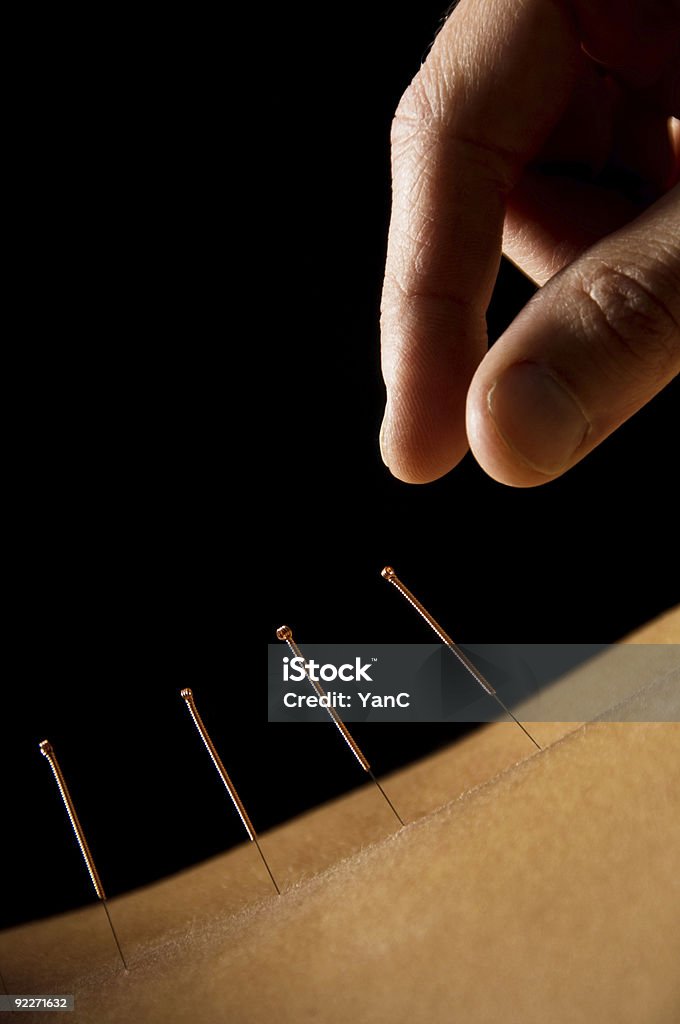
494 85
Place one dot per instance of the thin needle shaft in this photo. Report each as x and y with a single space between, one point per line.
48 751
188 697
285 633
396 812
522 727
113 930
4 986
390 575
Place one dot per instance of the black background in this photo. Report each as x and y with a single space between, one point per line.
190 236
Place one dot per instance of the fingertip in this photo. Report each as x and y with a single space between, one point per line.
411 456
524 426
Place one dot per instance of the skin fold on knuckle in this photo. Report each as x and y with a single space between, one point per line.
632 313
422 104
435 115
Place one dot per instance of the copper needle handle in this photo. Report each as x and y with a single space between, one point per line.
188 696
285 633
47 749
390 575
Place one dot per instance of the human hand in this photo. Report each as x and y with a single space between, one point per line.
542 127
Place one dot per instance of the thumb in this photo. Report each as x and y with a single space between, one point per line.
590 349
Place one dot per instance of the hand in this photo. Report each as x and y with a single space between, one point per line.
543 128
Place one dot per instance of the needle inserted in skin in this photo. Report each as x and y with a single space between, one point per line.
188 696
390 575
285 633
47 750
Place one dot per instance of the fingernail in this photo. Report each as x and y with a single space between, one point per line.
537 417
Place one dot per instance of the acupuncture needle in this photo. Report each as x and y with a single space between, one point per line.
285 633
188 696
390 575
48 751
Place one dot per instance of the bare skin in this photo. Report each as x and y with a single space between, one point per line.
547 130
527 886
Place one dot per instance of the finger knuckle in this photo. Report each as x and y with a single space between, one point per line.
431 118
634 313
418 112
